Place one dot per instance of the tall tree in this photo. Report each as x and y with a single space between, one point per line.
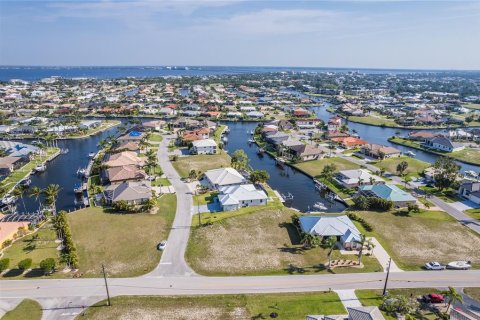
401 167
51 194
361 242
453 296
446 172
239 159
259 176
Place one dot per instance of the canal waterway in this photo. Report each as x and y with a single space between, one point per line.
62 171
286 180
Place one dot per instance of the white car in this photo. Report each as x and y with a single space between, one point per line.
161 246
433 265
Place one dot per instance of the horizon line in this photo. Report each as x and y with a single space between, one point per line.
240 66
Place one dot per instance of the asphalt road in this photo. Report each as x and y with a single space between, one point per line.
173 261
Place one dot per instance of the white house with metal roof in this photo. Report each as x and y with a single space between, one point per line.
222 177
331 226
239 196
355 177
205 146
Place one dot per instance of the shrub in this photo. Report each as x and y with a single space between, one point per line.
4 263
25 264
6 243
48 265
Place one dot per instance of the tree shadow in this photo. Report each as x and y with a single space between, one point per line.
293 234
34 273
12 273
401 213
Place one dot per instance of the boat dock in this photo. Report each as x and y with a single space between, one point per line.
282 200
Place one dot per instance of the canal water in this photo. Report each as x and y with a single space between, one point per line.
285 181
62 171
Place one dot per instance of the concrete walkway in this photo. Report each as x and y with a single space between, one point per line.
382 256
348 298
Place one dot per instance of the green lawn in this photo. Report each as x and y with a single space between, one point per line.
473 292
475 106
9 182
37 246
164 182
218 133
467 155
415 166
205 198
217 307
377 120
314 168
201 163
448 195
340 190
125 243
374 298
27 309
268 243
155 137
474 213
415 238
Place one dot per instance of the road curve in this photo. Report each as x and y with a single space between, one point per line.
172 262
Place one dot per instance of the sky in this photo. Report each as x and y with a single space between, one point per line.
419 34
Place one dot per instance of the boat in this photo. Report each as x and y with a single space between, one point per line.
252 132
40 168
320 206
260 151
410 154
471 173
459 265
8 199
78 188
91 155
64 151
224 139
227 130
251 141
25 182
81 172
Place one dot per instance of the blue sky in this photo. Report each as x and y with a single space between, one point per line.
372 34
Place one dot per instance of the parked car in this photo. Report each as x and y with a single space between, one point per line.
433 298
161 246
434 265
459 265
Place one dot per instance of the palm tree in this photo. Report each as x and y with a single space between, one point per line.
18 192
35 192
309 240
361 242
453 296
330 243
51 194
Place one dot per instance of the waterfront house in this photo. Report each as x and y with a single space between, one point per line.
390 192
301 113
334 123
331 226
276 138
128 146
336 134
471 191
378 150
132 136
8 164
255 114
90 124
155 125
9 230
349 142
305 152
133 192
124 158
222 177
18 149
421 135
443 144
206 146
123 173
355 177
307 123
239 196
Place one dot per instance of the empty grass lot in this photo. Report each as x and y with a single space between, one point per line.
375 298
415 167
414 239
155 138
37 246
201 163
475 106
267 242
473 292
125 243
314 168
375 120
291 306
27 309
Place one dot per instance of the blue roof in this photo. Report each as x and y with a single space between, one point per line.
388 192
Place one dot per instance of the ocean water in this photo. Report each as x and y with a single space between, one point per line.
34 73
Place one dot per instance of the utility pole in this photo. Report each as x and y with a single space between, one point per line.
198 208
106 285
386 279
